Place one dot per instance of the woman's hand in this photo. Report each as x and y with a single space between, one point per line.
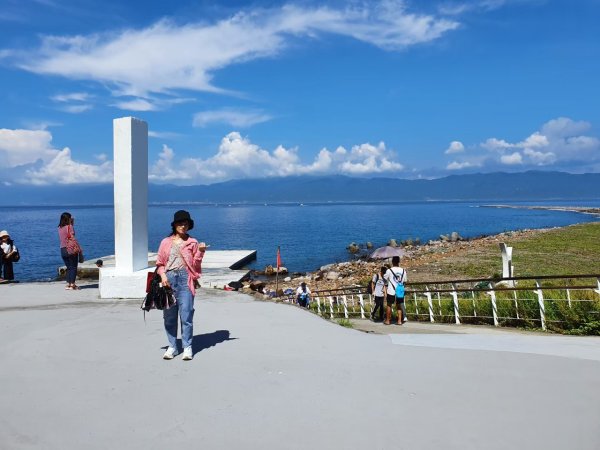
202 246
165 281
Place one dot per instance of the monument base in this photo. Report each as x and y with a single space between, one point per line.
114 284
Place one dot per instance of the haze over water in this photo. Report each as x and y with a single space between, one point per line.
310 236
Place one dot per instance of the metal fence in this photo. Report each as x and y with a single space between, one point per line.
542 301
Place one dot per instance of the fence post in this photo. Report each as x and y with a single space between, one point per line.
428 295
362 306
345 306
416 306
439 303
474 306
330 307
318 305
455 298
598 282
540 296
492 295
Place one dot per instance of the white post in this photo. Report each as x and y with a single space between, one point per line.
318 305
507 267
455 299
345 306
131 194
362 306
330 307
540 296
428 295
492 294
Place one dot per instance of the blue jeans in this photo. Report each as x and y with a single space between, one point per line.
184 307
71 262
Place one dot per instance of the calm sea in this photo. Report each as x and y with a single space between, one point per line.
309 235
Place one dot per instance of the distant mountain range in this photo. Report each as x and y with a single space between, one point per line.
532 185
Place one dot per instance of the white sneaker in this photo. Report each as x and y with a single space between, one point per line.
404 320
170 353
187 354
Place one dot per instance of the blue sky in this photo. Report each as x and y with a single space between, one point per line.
389 88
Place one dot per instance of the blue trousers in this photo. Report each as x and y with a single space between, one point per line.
184 308
71 262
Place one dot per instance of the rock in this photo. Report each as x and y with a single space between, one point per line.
326 268
392 243
369 245
257 286
455 237
444 238
287 279
269 270
333 275
353 248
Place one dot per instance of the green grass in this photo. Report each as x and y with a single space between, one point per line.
564 251
345 323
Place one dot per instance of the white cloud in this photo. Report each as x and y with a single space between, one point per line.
165 56
496 144
76 109
163 134
512 159
229 116
238 157
72 97
138 104
455 147
19 147
559 142
32 159
63 170
456 165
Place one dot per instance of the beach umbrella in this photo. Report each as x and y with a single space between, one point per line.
387 252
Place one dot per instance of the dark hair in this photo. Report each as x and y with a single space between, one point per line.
383 270
65 219
173 231
396 261
303 285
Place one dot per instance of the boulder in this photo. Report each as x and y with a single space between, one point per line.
287 279
454 237
269 270
332 275
369 245
392 243
326 267
353 248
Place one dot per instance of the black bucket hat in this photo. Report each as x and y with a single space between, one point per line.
182 215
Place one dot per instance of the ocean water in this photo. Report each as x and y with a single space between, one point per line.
309 235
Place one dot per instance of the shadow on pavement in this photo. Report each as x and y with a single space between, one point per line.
203 341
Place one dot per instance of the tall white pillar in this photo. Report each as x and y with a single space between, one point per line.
131 194
127 279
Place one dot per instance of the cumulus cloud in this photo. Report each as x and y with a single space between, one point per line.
455 147
63 170
238 157
455 165
164 56
19 147
235 117
561 142
31 159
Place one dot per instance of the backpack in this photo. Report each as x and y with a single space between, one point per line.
399 286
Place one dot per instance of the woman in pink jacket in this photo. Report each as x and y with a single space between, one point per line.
179 266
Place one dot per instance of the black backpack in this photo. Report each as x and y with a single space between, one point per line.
157 297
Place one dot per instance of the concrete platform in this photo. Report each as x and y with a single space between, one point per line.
78 372
219 268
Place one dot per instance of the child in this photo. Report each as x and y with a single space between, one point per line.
10 254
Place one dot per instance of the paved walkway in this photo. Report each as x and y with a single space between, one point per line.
82 373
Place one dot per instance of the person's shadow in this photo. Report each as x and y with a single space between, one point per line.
203 341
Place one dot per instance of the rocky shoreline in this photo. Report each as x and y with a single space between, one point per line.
419 260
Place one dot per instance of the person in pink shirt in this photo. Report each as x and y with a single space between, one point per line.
179 264
65 232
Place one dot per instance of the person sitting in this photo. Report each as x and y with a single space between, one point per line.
303 295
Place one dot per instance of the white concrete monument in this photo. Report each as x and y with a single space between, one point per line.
128 278
507 266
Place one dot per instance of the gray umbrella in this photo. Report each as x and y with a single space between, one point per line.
387 252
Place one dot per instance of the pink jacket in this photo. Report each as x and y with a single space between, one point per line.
190 253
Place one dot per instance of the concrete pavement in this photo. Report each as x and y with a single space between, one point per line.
78 372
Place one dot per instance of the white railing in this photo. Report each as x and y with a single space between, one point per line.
520 301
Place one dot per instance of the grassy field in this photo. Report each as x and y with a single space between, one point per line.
562 251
